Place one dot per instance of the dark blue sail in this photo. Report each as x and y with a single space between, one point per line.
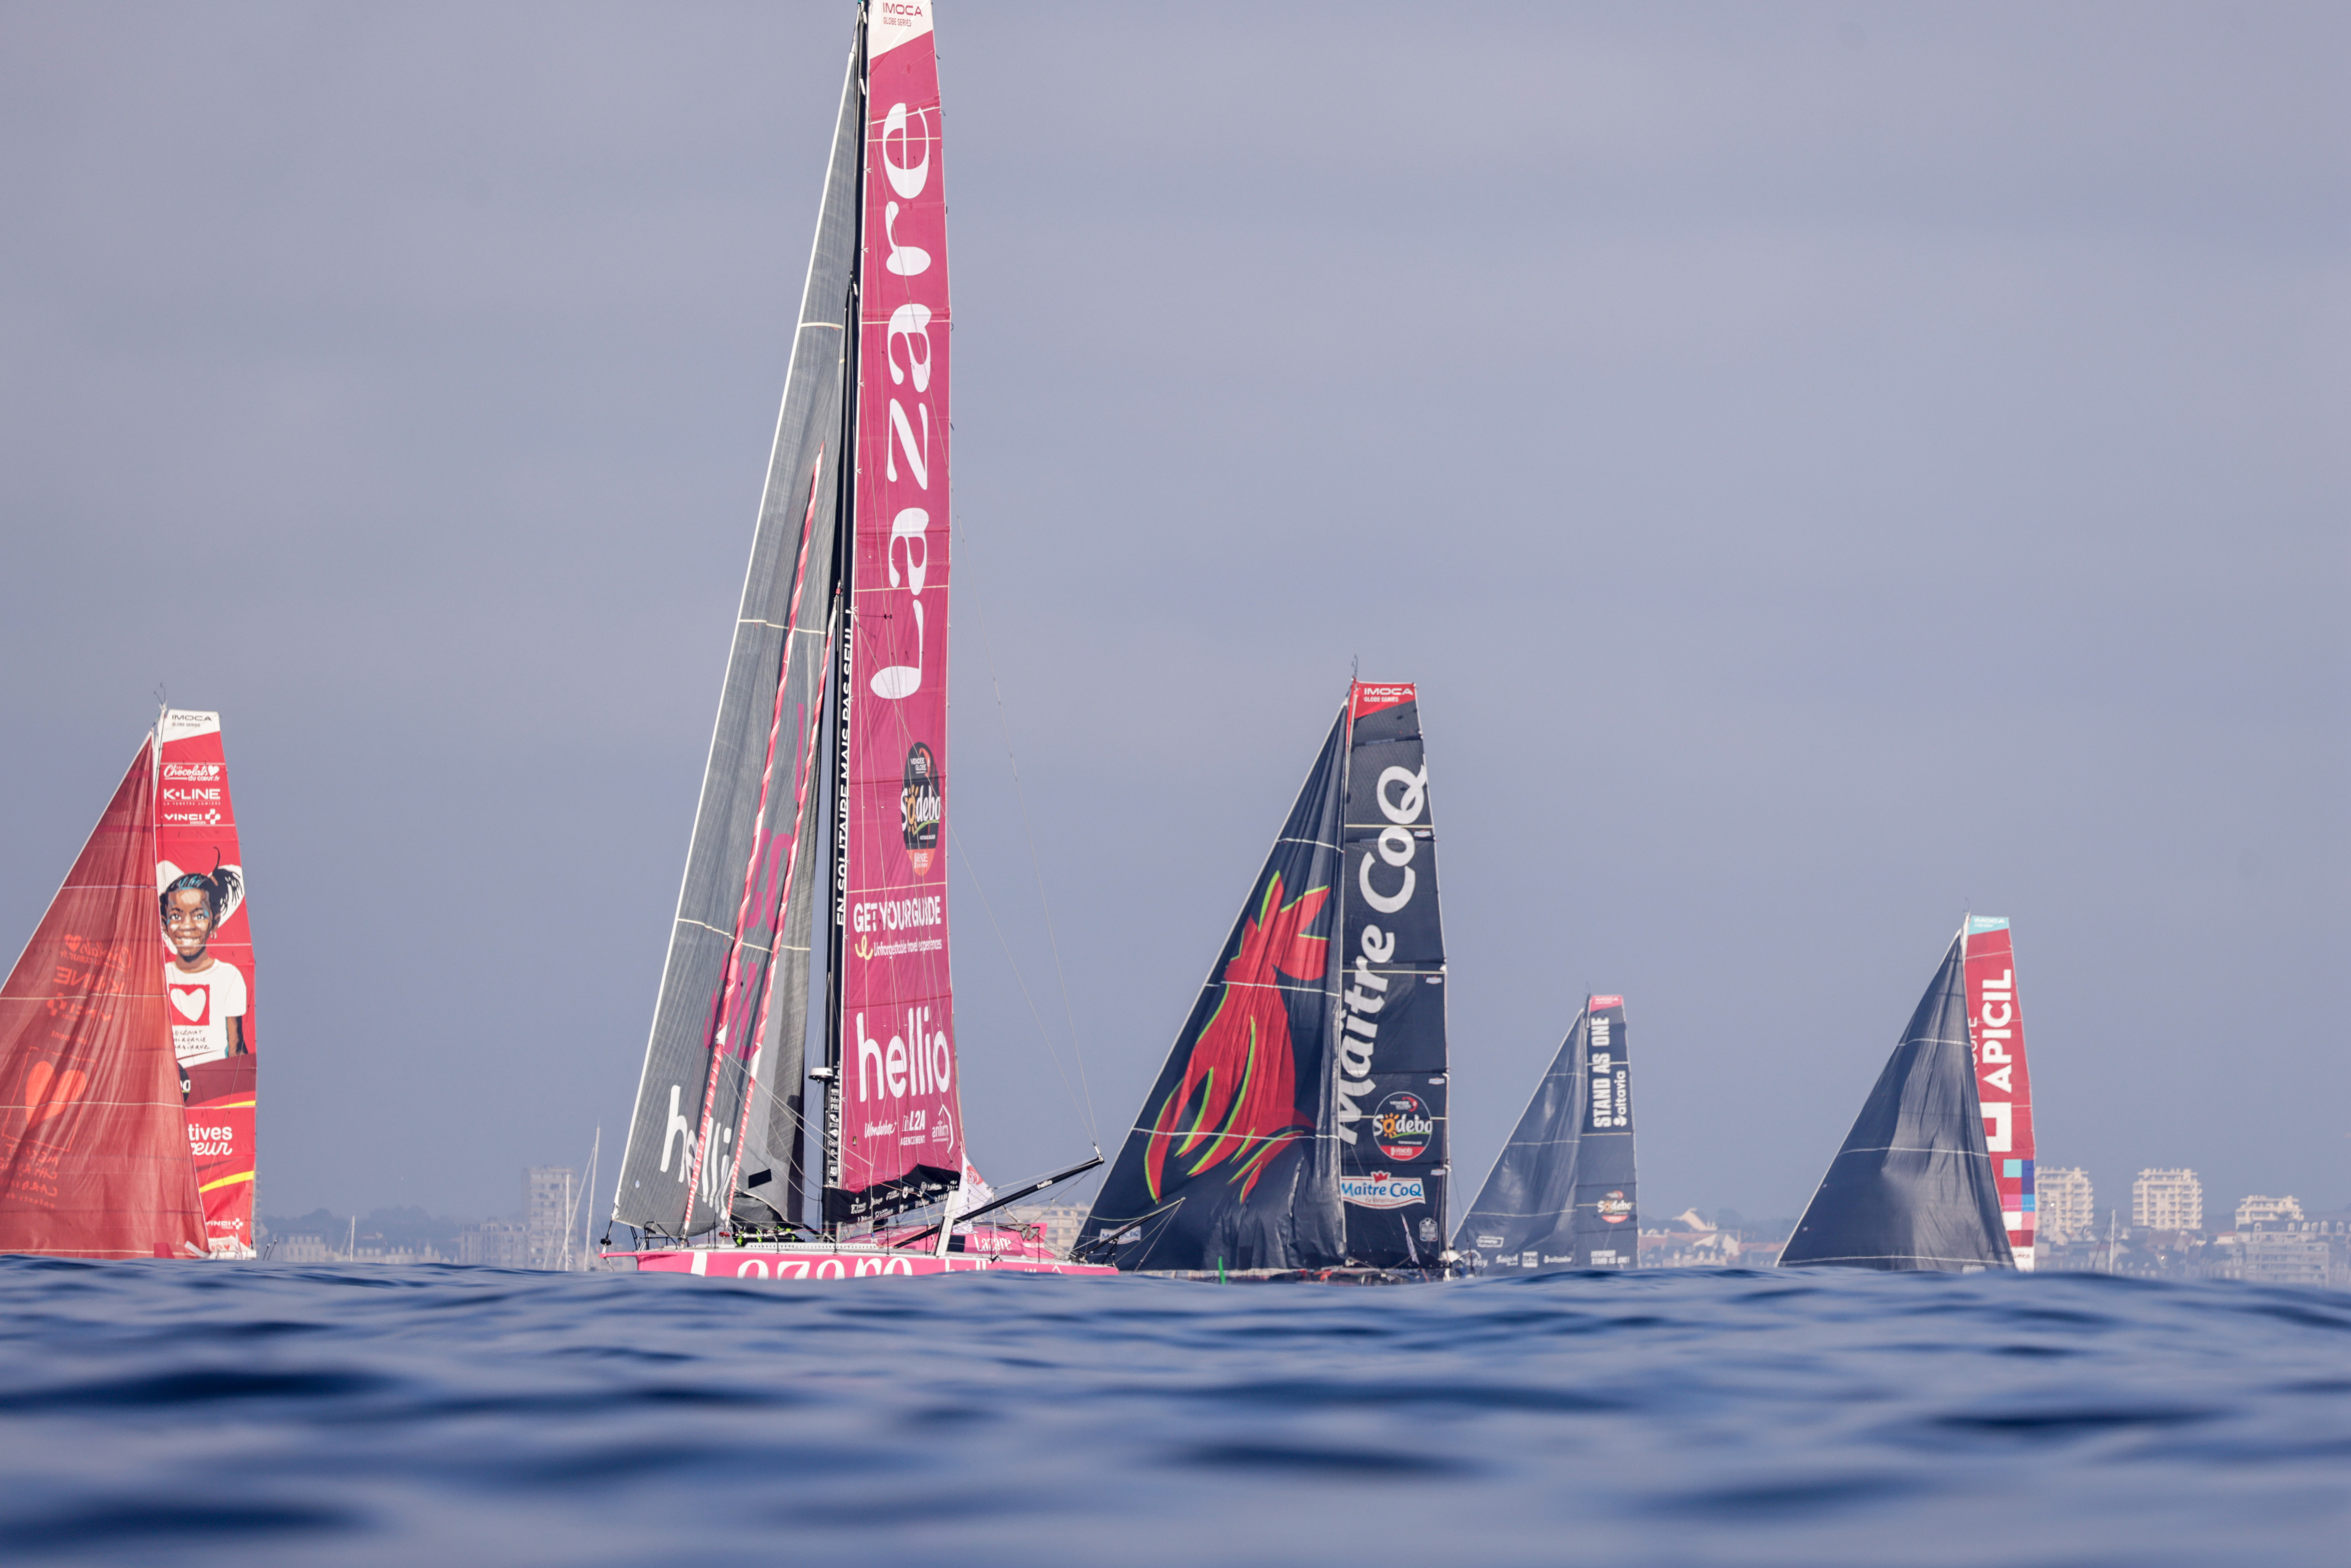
1913 1185
1228 1166
1562 1195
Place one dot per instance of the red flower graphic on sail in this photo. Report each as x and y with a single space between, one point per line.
1240 1093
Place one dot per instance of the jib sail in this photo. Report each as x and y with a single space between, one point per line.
1389 1101
1223 1168
208 976
94 1150
898 1140
717 1125
1561 1196
1996 1025
1913 1185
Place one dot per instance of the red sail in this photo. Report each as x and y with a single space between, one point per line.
1996 1030
900 1133
207 969
93 1138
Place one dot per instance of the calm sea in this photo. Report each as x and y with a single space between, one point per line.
274 1414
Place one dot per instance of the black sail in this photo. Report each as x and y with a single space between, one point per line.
1913 1185
1225 1167
1389 1072
1561 1196
717 1122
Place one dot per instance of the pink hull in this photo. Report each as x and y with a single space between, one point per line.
840 1263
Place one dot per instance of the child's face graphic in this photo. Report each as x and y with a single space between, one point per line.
188 924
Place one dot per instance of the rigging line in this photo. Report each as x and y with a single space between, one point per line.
1037 868
1043 1033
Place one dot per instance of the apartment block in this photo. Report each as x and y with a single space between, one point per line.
2255 1211
2066 1208
2168 1199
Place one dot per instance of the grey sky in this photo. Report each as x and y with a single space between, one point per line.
1827 466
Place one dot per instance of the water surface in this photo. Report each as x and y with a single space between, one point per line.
277 1414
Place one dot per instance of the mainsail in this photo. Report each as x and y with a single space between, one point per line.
1913 1185
1390 1100
94 1130
1561 1196
830 746
898 1138
208 979
1996 1022
1300 1120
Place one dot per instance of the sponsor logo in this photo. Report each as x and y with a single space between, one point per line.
192 819
1428 1230
1489 1241
191 772
1530 1259
1386 880
1381 1190
897 1068
1995 1039
1616 1208
1612 1087
920 808
1402 1127
193 796
1601 1004
898 913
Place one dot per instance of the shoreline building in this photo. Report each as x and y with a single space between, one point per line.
2065 1205
550 1196
2168 1199
2257 1210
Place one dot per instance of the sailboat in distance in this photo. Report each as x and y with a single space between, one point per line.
1561 1194
1298 1125
1914 1185
827 785
127 1041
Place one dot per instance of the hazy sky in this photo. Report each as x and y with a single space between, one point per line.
1829 467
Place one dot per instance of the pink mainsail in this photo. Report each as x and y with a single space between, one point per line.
207 969
93 1132
1996 1029
900 1132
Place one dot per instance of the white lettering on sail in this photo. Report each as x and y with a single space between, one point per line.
868 1050
1386 904
680 1133
906 179
1405 811
905 260
902 433
911 324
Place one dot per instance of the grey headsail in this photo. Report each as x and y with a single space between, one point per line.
1913 1185
717 1123
1224 1168
1561 1196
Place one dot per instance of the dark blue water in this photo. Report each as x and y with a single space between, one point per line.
261 1413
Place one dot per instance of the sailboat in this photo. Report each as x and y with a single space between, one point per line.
1298 1125
1562 1195
826 780
127 1041
1915 1186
